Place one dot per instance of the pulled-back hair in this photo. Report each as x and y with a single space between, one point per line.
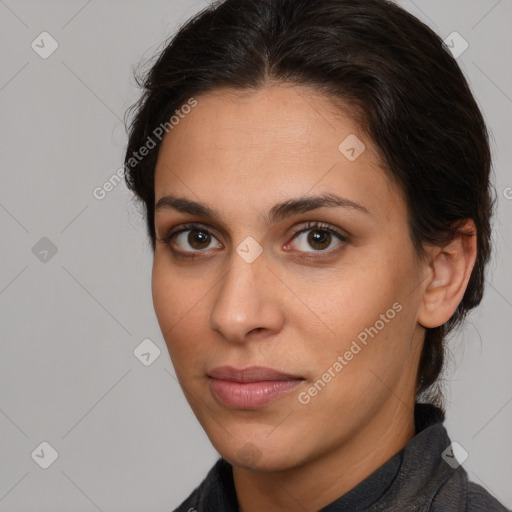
392 72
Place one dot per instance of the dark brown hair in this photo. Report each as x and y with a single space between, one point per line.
409 93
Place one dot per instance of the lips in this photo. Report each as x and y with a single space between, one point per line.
250 388
251 374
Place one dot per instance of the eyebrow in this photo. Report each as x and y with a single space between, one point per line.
277 213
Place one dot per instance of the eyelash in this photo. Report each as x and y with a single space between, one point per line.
310 226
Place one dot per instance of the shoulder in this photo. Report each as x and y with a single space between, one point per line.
194 501
216 492
459 494
480 499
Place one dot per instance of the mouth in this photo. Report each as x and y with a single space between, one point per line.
250 388
250 374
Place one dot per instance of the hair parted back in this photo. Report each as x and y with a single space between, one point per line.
390 71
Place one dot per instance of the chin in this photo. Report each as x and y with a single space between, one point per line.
251 457
262 452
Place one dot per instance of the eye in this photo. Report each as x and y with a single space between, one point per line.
319 237
191 238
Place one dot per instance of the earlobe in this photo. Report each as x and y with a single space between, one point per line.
450 268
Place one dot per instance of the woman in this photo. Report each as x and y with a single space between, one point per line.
315 176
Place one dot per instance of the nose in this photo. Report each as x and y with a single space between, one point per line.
248 301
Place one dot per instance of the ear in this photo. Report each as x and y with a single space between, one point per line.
450 267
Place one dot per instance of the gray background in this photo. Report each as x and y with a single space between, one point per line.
125 437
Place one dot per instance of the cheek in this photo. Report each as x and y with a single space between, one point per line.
367 357
165 289
350 301
348 296
179 307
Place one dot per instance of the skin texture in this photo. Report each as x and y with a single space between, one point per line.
240 153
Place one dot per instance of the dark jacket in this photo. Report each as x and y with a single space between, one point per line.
422 477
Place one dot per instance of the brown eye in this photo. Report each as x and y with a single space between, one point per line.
194 240
198 239
319 238
190 241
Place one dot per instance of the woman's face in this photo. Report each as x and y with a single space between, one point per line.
333 307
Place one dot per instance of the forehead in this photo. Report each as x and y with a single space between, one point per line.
277 139
284 121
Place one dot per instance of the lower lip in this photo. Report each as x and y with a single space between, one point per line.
250 395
